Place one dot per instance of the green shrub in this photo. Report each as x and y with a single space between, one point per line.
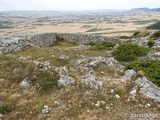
150 43
155 36
136 33
101 46
47 81
129 52
151 69
8 106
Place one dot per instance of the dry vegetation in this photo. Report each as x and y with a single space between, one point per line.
75 101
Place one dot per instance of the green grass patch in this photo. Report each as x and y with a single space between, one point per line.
116 32
38 24
101 46
143 22
47 81
8 106
151 69
99 29
129 52
154 26
137 34
150 43
86 26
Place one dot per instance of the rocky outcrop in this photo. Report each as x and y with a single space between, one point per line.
147 89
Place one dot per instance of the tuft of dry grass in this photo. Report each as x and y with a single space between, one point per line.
140 73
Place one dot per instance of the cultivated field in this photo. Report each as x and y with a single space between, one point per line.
108 24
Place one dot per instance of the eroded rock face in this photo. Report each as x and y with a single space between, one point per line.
148 90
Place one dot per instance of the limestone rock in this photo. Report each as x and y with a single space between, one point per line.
148 90
45 110
63 57
128 74
66 80
24 83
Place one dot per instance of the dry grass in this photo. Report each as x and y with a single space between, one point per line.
77 101
140 73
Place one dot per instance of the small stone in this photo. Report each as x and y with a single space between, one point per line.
117 96
88 111
45 110
63 57
112 91
53 55
21 59
148 104
1 80
56 102
24 83
69 101
107 107
45 107
97 105
102 72
103 102
36 62
1 115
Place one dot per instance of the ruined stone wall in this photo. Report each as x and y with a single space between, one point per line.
19 42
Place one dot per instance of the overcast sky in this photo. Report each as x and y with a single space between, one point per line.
75 4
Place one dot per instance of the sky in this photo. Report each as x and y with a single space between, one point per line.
8 5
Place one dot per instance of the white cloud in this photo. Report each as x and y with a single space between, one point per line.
85 3
75 4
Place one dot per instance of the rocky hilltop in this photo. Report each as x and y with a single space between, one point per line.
74 76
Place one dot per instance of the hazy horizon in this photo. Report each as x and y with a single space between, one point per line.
62 5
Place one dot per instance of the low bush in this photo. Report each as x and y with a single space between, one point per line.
150 43
101 46
129 52
150 69
47 81
8 106
155 36
136 33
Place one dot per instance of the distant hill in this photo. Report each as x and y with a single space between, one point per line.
146 9
154 26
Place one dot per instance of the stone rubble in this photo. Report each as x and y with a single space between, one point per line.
45 110
18 42
66 80
91 81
